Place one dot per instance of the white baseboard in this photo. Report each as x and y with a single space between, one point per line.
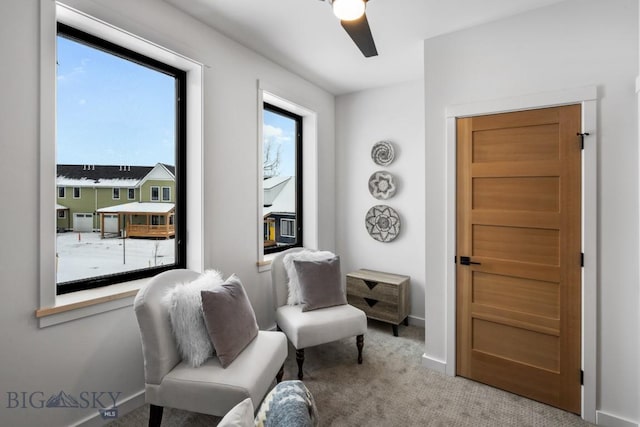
608 420
416 321
434 364
124 407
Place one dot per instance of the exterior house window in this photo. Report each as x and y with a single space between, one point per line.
94 76
288 227
166 194
61 192
282 178
62 214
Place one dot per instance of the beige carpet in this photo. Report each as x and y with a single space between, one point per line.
391 388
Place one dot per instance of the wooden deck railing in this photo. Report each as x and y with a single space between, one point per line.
166 230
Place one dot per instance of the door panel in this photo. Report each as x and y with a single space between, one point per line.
519 221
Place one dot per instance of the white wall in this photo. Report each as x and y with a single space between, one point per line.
103 352
394 113
572 44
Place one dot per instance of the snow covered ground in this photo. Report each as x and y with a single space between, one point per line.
90 256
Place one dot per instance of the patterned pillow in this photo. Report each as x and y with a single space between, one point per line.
290 403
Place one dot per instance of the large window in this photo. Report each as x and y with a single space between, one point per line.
282 179
114 107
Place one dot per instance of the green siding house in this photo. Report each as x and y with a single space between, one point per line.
84 190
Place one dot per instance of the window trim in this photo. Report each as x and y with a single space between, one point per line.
274 94
62 189
79 196
157 188
54 309
115 196
63 212
162 194
118 50
129 192
282 221
298 119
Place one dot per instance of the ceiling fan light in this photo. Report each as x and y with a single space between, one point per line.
348 10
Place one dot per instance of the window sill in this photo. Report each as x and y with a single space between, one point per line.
86 303
265 264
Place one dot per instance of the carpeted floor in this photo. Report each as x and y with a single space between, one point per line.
390 388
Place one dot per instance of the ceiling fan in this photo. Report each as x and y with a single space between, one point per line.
354 20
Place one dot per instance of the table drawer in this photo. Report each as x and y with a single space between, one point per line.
379 291
374 309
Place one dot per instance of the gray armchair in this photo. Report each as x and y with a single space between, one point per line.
311 328
208 389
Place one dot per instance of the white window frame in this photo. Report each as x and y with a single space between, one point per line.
79 196
115 190
273 95
55 309
162 194
64 191
63 212
157 188
293 227
129 190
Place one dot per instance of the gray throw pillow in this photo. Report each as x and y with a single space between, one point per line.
229 318
187 323
320 283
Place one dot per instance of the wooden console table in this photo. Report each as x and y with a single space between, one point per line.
382 296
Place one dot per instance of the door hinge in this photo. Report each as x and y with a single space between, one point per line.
582 135
581 377
582 259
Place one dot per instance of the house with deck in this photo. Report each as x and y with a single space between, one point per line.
109 199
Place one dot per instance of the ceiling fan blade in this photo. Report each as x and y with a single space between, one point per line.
360 33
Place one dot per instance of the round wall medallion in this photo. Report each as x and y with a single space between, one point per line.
382 153
382 185
383 223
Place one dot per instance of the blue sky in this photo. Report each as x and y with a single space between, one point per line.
279 131
112 111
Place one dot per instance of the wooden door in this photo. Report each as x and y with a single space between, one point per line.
519 223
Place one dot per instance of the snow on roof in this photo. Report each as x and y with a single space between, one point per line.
139 207
59 207
285 200
84 182
108 175
273 181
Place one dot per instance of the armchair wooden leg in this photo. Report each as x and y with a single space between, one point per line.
300 360
360 344
280 374
155 416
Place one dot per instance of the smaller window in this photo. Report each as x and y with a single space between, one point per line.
288 227
76 192
62 214
116 194
155 194
166 194
131 194
61 192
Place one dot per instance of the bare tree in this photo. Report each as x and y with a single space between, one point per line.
271 159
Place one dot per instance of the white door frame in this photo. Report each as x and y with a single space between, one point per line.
587 97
